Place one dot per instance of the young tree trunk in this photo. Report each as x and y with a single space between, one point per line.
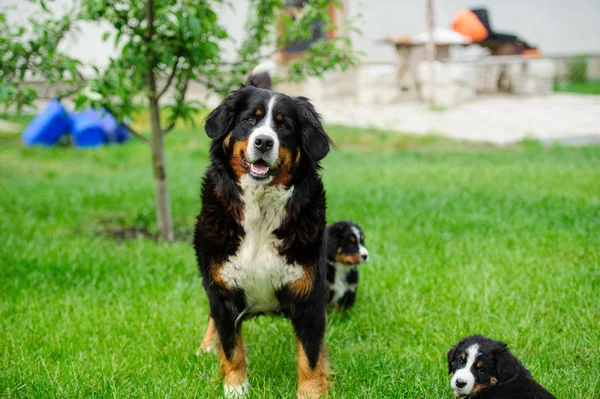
163 205
430 50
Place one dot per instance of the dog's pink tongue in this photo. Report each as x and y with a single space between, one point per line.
259 168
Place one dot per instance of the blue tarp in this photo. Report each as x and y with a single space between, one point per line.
89 128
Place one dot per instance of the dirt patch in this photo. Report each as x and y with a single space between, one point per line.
128 233
121 234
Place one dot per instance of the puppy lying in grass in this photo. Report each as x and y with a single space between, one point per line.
485 369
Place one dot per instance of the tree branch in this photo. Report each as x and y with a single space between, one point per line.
170 79
257 58
108 108
69 93
129 128
169 127
136 134
182 92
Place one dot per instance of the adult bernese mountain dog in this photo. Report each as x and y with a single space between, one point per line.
485 369
260 236
345 251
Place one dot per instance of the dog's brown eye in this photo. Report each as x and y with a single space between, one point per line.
251 120
282 126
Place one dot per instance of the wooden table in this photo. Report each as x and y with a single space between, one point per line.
406 76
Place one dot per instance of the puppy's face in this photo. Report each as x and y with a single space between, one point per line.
266 135
349 241
478 363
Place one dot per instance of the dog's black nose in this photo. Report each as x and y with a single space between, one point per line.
460 383
263 143
364 257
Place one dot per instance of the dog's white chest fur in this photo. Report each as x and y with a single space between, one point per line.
340 284
257 268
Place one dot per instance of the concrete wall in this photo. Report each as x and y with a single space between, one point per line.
556 26
86 44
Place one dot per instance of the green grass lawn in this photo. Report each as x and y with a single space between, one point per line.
591 87
464 239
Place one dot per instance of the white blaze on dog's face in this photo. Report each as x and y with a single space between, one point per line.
360 240
265 136
263 147
463 380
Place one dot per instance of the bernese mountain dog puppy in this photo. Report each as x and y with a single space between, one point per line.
485 369
345 250
260 236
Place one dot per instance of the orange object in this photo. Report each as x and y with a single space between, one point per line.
467 24
532 53
404 39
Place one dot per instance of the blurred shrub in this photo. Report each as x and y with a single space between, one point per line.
577 69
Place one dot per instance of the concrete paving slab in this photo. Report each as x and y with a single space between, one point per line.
498 119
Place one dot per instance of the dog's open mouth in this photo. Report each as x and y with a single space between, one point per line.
258 170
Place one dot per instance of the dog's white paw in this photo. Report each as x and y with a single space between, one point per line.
236 391
209 349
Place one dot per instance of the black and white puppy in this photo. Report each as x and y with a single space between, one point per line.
345 250
485 369
260 236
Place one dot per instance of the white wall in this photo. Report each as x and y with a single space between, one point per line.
555 26
86 43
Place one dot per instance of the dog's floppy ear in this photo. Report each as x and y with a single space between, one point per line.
315 141
333 232
451 357
507 366
220 120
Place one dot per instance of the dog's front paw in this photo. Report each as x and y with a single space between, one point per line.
236 391
206 349
312 392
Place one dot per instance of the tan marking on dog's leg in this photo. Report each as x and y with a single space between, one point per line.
215 273
457 395
312 382
208 342
233 370
304 284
